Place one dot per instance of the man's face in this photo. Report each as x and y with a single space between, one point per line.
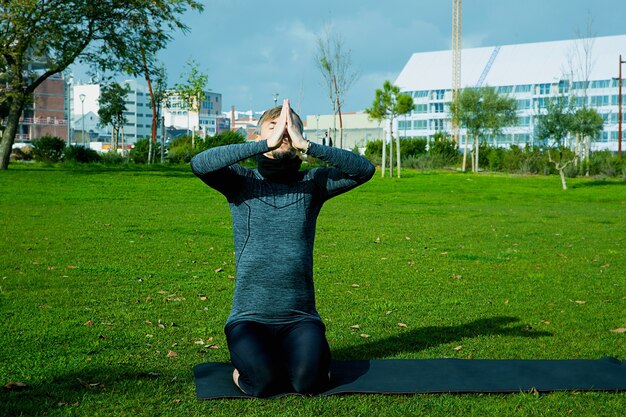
285 150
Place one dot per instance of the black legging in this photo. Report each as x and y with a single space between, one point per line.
279 358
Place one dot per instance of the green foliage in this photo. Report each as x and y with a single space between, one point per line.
483 111
48 149
412 147
111 35
606 163
587 122
81 154
557 121
191 88
389 103
112 102
373 151
443 150
113 158
180 150
140 152
226 137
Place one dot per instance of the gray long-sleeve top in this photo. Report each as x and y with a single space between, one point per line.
274 226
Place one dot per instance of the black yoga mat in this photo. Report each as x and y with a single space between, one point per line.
412 376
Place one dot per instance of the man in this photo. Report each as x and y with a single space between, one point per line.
275 336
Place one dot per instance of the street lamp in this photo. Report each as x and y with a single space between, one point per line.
275 97
82 107
69 108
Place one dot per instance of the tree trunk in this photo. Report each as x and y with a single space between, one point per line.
476 154
577 150
587 154
562 174
398 154
465 152
162 139
8 135
384 162
390 148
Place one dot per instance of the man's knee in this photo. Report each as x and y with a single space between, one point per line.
258 383
312 382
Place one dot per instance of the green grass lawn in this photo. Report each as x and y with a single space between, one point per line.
114 283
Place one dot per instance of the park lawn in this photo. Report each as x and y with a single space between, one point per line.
115 282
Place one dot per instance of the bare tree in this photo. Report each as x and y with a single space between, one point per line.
335 65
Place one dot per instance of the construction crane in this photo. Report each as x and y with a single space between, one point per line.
457 20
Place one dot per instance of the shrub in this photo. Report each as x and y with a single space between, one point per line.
139 153
48 149
112 158
605 163
374 150
80 154
180 150
443 150
227 137
412 147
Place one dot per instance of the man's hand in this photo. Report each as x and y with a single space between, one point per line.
284 129
276 138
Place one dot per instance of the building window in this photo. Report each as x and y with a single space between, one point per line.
420 124
580 85
436 124
599 101
523 104
438 94
523 88
421 108
581 101
600 83
523 121
544 89
404 124
505 89
420 94
436 108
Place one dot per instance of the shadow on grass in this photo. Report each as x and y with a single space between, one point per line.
416 340
597 183
72 389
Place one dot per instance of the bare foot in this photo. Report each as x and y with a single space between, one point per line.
236 379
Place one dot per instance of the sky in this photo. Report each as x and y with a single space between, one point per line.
252 49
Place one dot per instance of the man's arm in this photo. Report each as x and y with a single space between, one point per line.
218 168
350 170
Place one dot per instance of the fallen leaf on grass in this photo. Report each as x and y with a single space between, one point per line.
88 323
72 267
64 404
16 386
355 285
403 325
458 348
218 270
177 401
162 292
212 346
580 302
364 335
356 326
619 330
456 276
171 354
90 385
546 322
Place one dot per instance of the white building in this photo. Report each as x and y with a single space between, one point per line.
205 122
531 73
84 101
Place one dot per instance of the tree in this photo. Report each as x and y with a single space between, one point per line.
191 91
335 63
112 104
482 111
556 124
587 124
41 38
388 105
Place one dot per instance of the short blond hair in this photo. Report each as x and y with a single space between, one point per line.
274 112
